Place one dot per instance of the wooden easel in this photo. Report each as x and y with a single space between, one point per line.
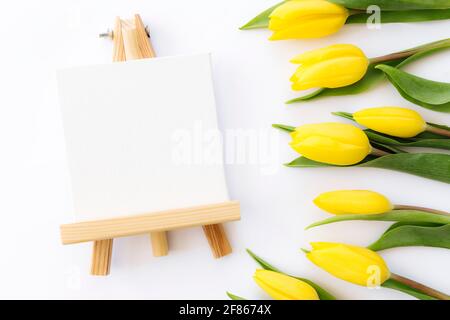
131 42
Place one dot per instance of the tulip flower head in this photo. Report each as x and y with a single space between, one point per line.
353 202
330 67
355 264
304 19
333 143
282 287
394 121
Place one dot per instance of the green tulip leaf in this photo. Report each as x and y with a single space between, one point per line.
264 264
428 165
401 16
284 127
322 293
261 20
438 143
234 297
345 115
396 285
413 235
394 4
410 216
406 223
426 93
302 162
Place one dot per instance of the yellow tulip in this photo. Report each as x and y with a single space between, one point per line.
333 143
330 67
351 263
283 287
353 202
303 19
394 121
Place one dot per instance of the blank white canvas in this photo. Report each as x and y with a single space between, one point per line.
122 123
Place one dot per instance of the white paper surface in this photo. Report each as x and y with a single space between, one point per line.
135 134
251 76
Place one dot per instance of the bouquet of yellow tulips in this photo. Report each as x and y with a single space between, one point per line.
303 19
344 69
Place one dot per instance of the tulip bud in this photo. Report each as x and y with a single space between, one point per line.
330 67
283 287
394 121
351 263
333 143
303 19
353 202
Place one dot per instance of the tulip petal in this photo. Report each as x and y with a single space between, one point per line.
353 202
323 245
343 132
351 263
394 121
309 28
324 149
323 294
282 287
306 19
333 143
296 9
329 52
333 73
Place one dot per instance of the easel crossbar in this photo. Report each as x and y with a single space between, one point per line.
150 222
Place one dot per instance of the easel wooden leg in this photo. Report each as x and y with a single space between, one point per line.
137 46
160 244
217 239
101 257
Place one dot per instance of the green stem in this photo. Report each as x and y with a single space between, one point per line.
445 43
352 12
420 287
439 131
378 152
416 208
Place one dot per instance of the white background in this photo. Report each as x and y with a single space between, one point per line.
251 81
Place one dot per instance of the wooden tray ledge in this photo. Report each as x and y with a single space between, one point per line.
145 223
